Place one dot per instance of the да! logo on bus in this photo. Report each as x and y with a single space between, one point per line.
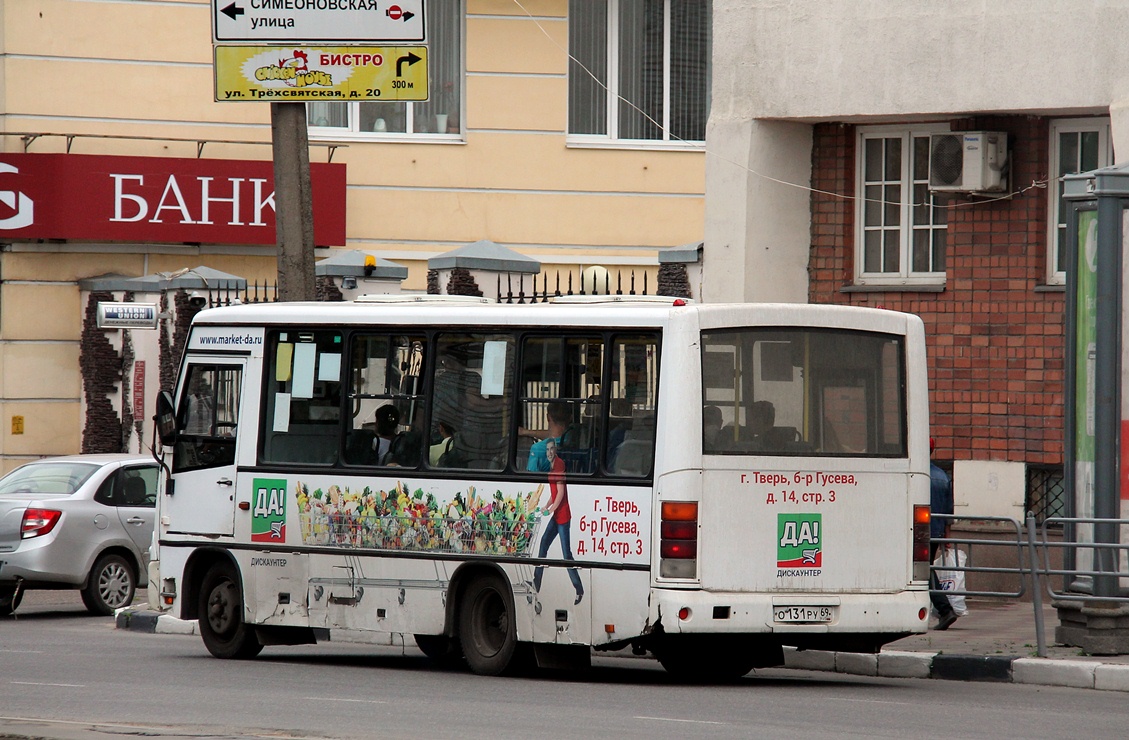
799 541
268 512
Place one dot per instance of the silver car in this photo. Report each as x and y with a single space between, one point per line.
82 522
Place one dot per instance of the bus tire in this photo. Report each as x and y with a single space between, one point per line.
440 649
486 626
222 628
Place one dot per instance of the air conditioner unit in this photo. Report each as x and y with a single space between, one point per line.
968 162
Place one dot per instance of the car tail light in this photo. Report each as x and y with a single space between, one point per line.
38 522
921 518
678 539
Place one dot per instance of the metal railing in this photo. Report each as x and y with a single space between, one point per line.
1107 555
1024 569
1035 545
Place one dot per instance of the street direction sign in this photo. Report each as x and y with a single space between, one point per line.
283 74
318 21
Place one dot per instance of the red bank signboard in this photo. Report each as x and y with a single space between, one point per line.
156 199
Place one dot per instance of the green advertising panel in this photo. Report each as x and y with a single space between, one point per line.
1086 323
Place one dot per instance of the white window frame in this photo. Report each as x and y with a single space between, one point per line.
905 276
1058 127
611 139
353 132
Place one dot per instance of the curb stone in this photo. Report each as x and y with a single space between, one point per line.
905 664
972 667
1076 673
145 620
1111 677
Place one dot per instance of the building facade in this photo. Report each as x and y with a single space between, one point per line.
517 145
826 183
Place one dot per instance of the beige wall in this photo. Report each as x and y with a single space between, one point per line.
131 69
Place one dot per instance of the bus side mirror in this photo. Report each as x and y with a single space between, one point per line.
166 419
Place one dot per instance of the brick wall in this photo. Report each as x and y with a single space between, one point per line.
995 340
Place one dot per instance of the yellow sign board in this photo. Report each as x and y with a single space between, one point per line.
17 425
283 74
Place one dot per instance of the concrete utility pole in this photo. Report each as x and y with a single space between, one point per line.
293 202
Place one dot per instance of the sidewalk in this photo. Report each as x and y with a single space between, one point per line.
995 641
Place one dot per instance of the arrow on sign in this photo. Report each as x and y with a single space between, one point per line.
410 59
233 11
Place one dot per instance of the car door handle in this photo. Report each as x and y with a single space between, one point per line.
135 520
223 482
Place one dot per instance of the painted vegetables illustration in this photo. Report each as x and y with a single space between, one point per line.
399 520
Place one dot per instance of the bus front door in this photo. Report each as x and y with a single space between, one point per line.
203 498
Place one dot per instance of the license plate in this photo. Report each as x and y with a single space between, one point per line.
802 613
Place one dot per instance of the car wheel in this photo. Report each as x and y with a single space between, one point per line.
486 626
222 628
10 597
110 585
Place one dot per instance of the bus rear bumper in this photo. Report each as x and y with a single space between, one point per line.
795 618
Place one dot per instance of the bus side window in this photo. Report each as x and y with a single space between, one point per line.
302 409
472 401
630 449
208 417
568 371
386 405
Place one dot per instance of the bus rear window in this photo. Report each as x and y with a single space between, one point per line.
795 391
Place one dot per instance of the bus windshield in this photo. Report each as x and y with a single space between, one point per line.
799 391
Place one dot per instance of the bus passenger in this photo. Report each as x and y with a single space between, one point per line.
387 422
711 428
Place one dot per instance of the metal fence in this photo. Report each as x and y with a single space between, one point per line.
605 284
1019 543
1093 562
1030 551
252 293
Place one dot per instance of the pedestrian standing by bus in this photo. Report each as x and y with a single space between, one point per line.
940 502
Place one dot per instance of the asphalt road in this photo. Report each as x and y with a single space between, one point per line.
64 674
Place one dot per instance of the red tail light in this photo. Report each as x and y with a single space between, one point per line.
678 543
38 522
679 548
921 517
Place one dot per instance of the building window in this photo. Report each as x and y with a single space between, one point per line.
439 117
902 227
1077 145
638 71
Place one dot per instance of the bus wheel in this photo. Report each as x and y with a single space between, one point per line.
221 616
439 648
486 626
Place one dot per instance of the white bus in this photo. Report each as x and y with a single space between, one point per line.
505 484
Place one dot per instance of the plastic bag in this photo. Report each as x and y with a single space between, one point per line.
952 580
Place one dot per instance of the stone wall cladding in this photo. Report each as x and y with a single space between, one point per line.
462 282
327 290
167 362
995 343
673 281
101 367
